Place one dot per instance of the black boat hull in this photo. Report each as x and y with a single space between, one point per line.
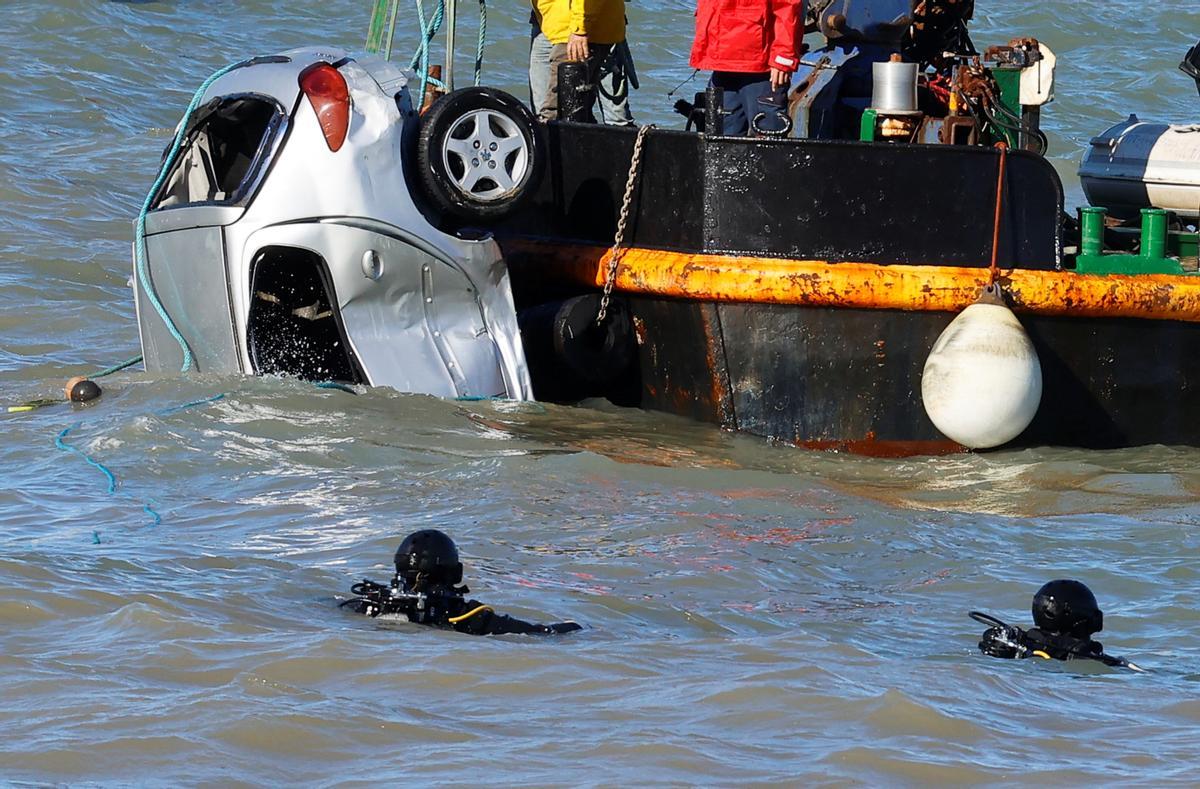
834 369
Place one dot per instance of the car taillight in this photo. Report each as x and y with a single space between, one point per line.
326 90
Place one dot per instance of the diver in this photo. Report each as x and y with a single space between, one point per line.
424 590
1065 615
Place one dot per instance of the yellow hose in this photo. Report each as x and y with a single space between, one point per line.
454 620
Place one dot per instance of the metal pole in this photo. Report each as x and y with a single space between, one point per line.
451 24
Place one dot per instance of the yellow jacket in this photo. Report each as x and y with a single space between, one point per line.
602 21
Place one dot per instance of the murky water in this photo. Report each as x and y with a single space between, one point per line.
755 613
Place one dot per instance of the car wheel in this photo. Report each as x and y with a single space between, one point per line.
478 153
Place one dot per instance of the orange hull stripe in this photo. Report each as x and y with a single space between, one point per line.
818 283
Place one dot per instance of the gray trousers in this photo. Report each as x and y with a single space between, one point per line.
544 59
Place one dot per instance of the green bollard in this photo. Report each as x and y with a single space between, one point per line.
866 127
1154 233
1091 230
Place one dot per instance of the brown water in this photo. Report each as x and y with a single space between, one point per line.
755 613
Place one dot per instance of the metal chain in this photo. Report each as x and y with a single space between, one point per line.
614 254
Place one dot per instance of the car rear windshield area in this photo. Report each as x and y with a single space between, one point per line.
226 146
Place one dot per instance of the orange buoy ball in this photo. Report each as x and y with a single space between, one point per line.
82 390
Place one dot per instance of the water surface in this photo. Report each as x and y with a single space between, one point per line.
755 613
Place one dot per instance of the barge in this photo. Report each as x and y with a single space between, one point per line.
314 221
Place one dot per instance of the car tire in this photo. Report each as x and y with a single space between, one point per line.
478 154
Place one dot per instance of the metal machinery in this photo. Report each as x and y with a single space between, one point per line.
848 89
1143 182
285 238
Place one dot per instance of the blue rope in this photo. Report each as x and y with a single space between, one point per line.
146 508
61 443
420 60
143 271
177 408
335 385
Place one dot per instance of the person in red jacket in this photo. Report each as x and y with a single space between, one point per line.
752 48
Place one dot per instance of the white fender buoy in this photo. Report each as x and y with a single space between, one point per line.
982 381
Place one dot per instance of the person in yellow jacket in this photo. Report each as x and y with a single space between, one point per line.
592 31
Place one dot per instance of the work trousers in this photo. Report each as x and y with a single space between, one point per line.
604 70
745 97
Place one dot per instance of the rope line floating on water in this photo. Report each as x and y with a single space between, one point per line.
61 442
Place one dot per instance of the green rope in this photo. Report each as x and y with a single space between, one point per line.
116 368
391 33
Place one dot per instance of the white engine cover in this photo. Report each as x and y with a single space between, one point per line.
1137 165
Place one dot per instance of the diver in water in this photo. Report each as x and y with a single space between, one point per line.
424 589
1065 615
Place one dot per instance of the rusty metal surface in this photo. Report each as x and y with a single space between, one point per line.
873 447
830 356
815 283
885 204
849 379
830 376
681 359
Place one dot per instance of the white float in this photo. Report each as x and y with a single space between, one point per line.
982 382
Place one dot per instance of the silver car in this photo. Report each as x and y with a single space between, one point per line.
285 239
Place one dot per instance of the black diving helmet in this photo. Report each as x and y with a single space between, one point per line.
1067 608
429 557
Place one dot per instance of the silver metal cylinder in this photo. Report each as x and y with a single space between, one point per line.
895 88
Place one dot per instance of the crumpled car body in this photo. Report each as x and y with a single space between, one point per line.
274 254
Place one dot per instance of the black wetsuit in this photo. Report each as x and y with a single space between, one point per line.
1013 642
446 608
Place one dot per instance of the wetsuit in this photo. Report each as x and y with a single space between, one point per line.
1013 642
446 608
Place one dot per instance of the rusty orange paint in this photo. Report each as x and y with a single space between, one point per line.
819 283
870 447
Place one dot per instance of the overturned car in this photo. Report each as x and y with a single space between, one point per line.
283 238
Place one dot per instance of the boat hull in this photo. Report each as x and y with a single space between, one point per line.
794 289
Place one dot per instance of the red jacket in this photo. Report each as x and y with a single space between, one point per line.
749 36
